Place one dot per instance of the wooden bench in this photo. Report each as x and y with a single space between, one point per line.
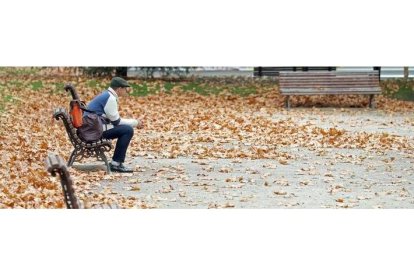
83 149
55 165
329 83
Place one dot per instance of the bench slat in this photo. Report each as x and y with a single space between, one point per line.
315 78
329 72
316 87
326 74
292 91
310 76
331 93
332 84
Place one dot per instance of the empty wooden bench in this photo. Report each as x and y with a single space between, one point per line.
55 165
329 83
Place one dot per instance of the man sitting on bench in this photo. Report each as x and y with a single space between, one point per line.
106 105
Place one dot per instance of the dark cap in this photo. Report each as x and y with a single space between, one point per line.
119 82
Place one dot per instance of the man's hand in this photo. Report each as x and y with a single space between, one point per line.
140 124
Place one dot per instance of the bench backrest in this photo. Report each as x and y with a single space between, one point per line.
337 82
56 165
60 113
70 88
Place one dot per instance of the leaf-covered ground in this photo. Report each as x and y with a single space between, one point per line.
230 121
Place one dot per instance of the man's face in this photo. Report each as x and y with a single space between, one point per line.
122 91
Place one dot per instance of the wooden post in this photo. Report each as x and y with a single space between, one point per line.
287 102
406 73
371 101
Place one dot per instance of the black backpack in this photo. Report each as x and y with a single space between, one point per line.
91 129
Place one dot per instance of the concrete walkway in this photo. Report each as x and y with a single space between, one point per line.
327 179
313 178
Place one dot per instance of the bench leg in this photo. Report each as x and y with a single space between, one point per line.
371 101
103 156
72 158
287 102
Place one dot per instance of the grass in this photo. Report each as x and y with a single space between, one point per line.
37 85
24 78
15 83
399 89
5 99
168 86
92 83
59 86
8 98
200 87
211 88
404 93
56 87
243 91
140 90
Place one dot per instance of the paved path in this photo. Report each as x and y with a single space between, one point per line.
327 179
313 178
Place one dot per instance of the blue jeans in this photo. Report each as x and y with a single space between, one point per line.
124 135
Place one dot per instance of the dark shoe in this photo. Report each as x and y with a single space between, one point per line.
120 168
